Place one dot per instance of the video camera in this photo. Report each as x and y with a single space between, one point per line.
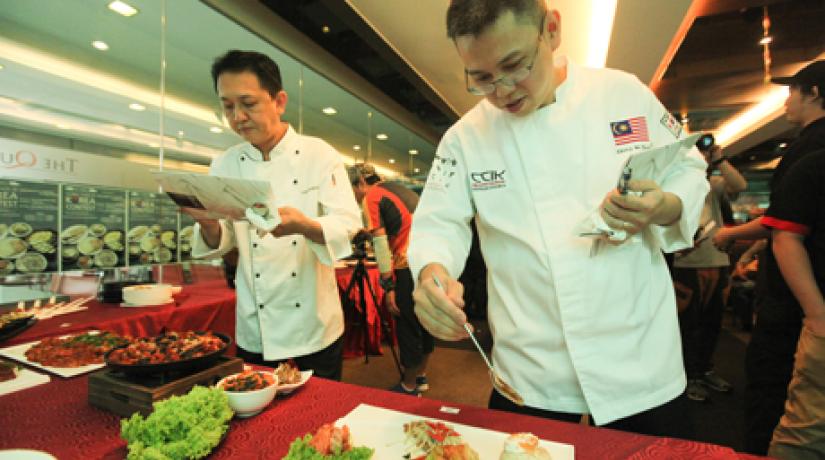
359 244
705 142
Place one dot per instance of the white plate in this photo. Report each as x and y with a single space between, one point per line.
163 302
288 388
25 379
18 353
382 429
25 454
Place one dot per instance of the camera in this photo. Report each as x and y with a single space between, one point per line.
359 243
706 142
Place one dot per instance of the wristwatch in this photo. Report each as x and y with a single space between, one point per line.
387 284
716 163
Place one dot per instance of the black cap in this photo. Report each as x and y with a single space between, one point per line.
812 74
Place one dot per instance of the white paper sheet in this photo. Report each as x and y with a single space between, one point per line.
215 197
25 379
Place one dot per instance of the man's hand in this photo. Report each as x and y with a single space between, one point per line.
634 212
440 310
389 302
210 228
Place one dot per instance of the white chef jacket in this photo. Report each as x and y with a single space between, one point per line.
572 332
287 296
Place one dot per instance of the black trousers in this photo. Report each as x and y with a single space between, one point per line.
414 342
701 321
327 363
673 419
769 362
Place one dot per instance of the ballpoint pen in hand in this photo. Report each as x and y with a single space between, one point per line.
498 383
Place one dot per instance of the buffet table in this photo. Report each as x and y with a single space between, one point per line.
208 305
56 418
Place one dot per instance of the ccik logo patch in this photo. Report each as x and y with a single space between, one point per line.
486 180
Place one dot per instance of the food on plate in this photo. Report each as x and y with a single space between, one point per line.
431 440
167 348
155 229
523 446
75 350
89 245
248 381
136 233
8 371
106 258
287 374
20 229
114 240
13 318
149 243
73 234
167 238
97 229
186 233
32 262
6 267
11 248
328 443
44 247
85 262
70 252
162 255
185 247
40 236
188 426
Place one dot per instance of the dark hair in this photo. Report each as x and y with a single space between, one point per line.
808 90
471 17
236 61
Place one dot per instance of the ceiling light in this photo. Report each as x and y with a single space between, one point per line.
329 110
417 170
2 67
181 133
62 126
392 161
783 145
137 107
766 40
413 152
752 157
382 137
325 29
122 8
602 13
356 147
216 130
753 118
101 45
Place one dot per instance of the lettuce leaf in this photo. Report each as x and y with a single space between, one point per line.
300 449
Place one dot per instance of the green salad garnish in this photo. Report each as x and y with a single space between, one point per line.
181 427
300 449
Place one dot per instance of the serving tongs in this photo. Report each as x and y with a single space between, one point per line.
498 383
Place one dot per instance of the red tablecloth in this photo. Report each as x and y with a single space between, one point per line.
209 305
353 317
56 417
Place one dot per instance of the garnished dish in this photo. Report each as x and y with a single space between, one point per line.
248 381
287 374
431 440
75 350
167 348
187 426
328 443
8 371
13 318
523 446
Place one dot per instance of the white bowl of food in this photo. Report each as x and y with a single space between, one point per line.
249 391
147 294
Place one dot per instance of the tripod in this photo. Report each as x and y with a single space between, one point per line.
360 281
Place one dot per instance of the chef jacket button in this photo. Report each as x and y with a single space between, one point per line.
297 152
243 158
255 245
294 243
261 306
257 275
295 181
297 304
294 274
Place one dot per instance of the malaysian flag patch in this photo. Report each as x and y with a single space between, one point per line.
629 131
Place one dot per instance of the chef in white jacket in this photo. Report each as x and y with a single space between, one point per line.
288 304
575 331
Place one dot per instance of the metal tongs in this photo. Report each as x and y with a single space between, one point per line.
498 383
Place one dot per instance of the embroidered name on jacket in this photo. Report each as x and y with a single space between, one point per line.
486 180
629 131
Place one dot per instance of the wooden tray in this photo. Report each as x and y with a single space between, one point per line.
124 395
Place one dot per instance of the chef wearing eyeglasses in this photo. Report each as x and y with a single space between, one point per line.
574 333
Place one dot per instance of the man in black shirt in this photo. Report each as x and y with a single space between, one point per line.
797 217
769 359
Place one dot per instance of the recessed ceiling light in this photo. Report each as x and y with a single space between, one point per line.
181 133
382 137
62 126
154 145
123 8
325 29
783 145
101 45
392 161
766 40
752 157
356 147
413 152
216 130
417 170
329 110
137 107
2 67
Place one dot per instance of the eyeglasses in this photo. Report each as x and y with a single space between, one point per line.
509 79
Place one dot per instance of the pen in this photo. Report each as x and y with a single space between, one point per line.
625 180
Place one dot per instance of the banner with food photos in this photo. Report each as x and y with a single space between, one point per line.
143 236
168 221
28 226
92 235
187 225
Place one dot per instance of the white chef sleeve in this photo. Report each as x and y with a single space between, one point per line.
340 216
441 222
201 250
685 179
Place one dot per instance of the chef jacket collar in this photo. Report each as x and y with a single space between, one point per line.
280 148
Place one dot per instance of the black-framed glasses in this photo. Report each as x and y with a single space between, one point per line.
509 79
